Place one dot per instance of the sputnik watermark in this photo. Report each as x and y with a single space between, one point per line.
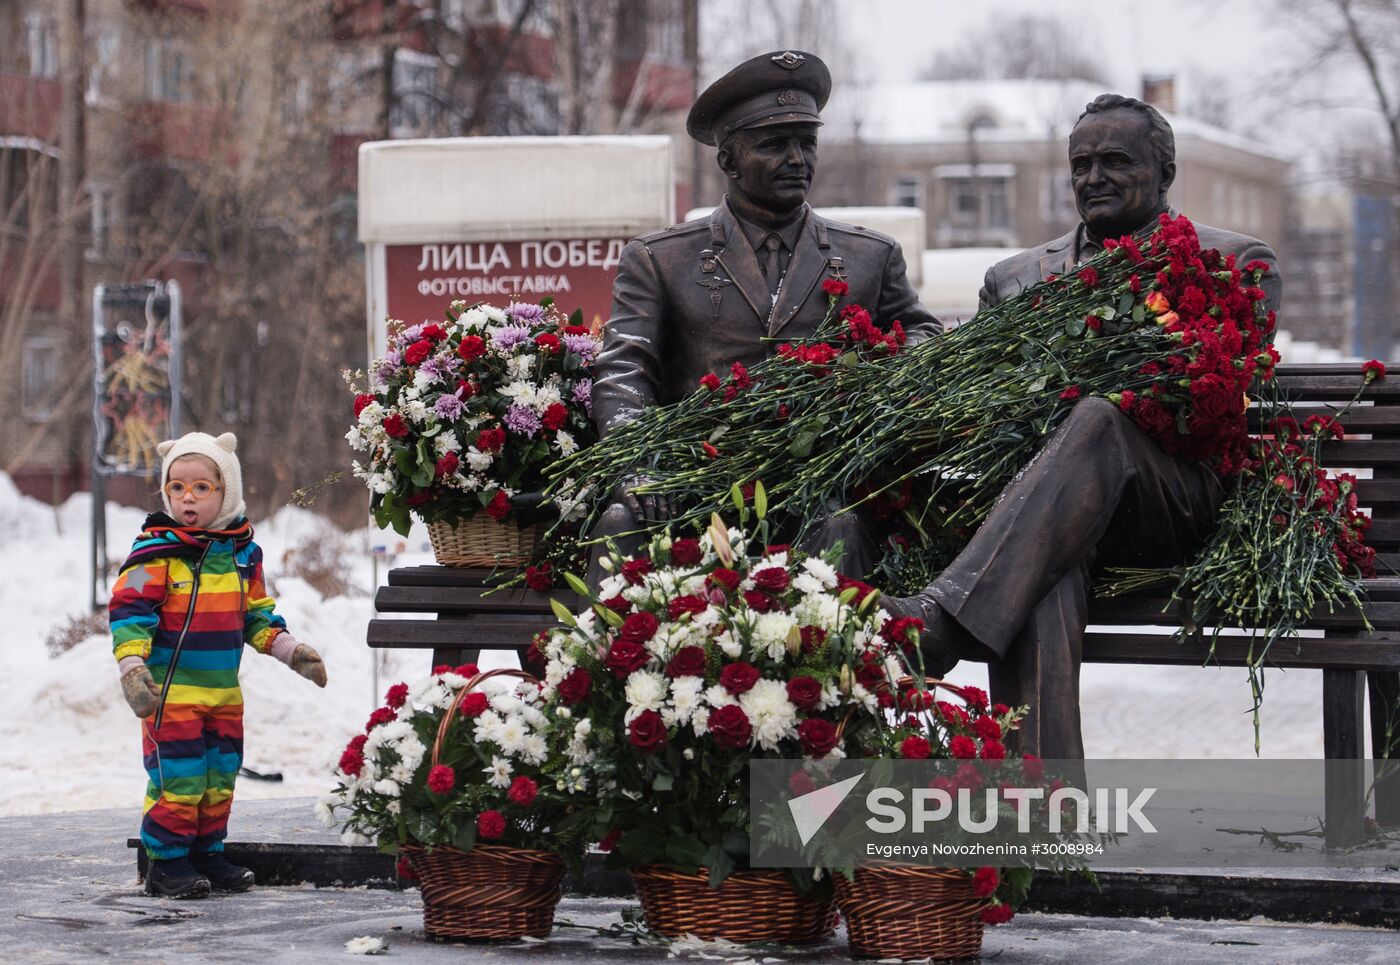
893 810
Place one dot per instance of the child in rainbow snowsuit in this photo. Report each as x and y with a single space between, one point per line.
187 600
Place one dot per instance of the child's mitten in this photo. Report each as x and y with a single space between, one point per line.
139 687
307 662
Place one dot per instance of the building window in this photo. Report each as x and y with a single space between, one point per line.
1057 199
976 204
416 95
41 39
980 202
907 192
103 48
39 377
169 76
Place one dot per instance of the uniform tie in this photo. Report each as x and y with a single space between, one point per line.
772 264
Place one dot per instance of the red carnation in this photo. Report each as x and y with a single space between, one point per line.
1070 394
471 348
710 381
441 668
475 704
804 692
997 914
985 881
1089 277
963 748
466 388
687 662
1373 370
624 657
682 605
771 579
639 627
987 728
575 329
573 689
522 791
441 779
362 400
499 507
434 332
647 732
818 736
447 464
491 440
396 695
540 577
555 415
381 715
710 450
352 762
993 751
801 783
490 825
467 670
405 870
916 748
738 678
395 427
835 287
418 351
731 727
902 631
686 552
740 375
974 697
548 342
1032 768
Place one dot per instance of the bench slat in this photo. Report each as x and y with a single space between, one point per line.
1357 453
497 633
1384 615
458 599
1377 419
1316 386
1338 653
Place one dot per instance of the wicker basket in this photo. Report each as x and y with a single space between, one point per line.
903 911
489 892
492 891
481 541
751 906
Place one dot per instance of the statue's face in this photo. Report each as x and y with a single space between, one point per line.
771 167
1118 183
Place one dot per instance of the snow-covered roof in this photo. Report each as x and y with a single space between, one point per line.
923 112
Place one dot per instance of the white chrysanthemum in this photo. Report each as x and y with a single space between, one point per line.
831 696
866 699
402 773
729 644
505 704
822 570
380 483
547 395
416 411
700 721
770 712
488 728
354 838
521 391
388 788
565 443
611 586
807 583
512 735
533 716
323 811
534 749
770 634
371 415
358 439
445 442
394 807
394 731
777 559
718 696
644 691
685 699
818 610
422 381
478 460
476 318
520 367
494 315
498 772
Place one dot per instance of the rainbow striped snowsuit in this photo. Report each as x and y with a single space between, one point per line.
193 758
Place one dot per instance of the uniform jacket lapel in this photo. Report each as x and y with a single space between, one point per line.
1055 260
805 268
739 261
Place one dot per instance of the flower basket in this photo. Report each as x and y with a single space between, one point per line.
481 541
492 891
906 911
750 906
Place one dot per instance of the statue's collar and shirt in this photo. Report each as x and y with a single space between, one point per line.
767 242
1085 245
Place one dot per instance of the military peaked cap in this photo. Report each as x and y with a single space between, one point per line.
781 87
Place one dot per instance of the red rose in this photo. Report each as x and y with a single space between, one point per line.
1373 370
772 579
710 381
963 748
687 662
475 704
499 507
818 736
725 579
835 287
1070 394
491 440
686 552
447 464
903 632
540 577
812 638
555 416
573 689
441 779
801 783
731 727
844 583
396 695
362 400
993 751
419 499
522 791
634 570
395 427
647 732
916 748
639 627
625 656
760 602
471 348
987 728
417 352
682 605
997 914
547 342
804 692
985 881
618 605
738 678
490 824
381 715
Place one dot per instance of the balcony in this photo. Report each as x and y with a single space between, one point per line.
163 130
664 87
530 54
29 107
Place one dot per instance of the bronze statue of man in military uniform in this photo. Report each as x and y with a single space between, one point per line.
696 298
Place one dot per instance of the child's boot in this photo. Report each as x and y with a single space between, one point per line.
175 878
223 875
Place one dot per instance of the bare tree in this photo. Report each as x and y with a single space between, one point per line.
1023 47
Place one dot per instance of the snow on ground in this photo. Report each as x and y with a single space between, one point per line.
71 743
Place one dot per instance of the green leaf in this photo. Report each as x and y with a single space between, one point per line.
720 863
1139 313
576 584
1075 327
1125 303
760 500
464 837
576 317
663 782
801 447
562 612
1037 385
687 852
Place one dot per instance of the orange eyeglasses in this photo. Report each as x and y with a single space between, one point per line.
201 488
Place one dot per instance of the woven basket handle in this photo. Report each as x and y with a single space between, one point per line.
451 714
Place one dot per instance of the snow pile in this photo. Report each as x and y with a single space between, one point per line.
71 743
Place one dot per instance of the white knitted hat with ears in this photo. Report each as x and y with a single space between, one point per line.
219 451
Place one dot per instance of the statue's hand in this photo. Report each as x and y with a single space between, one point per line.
644 506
